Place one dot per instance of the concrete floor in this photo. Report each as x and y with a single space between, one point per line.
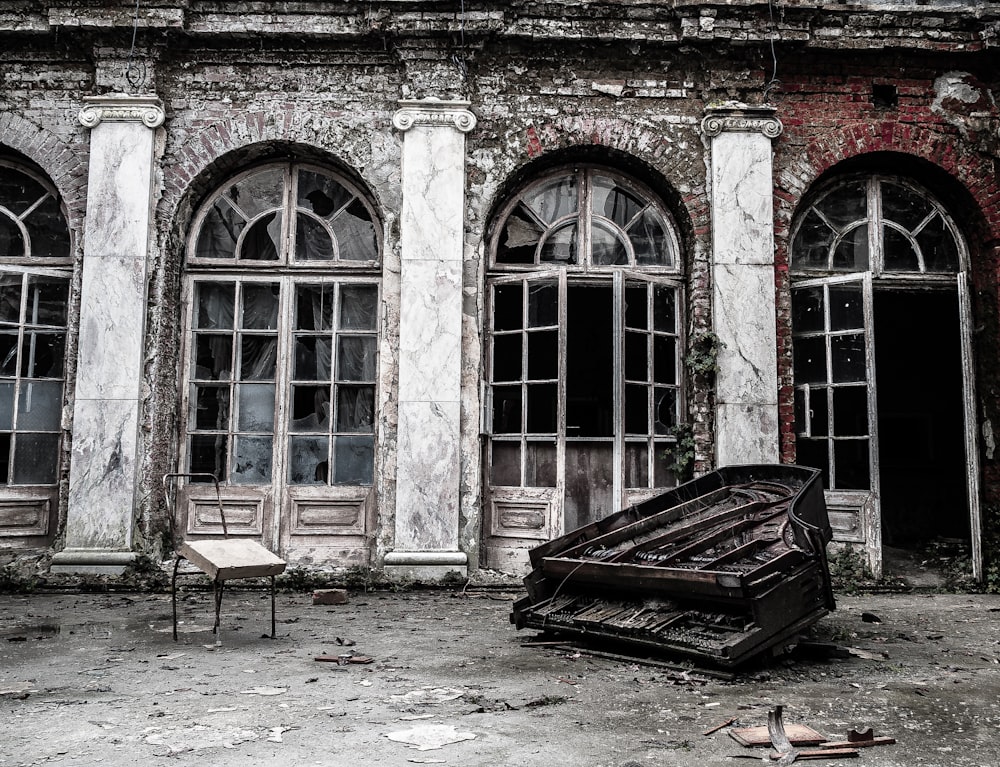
88 679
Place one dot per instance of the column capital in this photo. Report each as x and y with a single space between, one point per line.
736 117
116 107
434 112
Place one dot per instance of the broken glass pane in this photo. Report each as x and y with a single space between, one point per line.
314 307
11 240
258 192
635 306
665 409
215 305
636 409
664 311
8 353
664 359
850 411
542 408
663 462
903 205
39 405
518 240
507 357
310 409
543 305
938 247
47 301
554 200
312 240
809 360
540 464
308 460
636 464
354 459
506 409
260 306
258 357
10 296
807 310
848 358
507 307
355 233
356 409
852 251
256 403
356 358
261 242
606 247
209 454
219 232
847 308
321 194
898 250
636 363
43 354
358 307
6 405
845 204
850 458
811 248
560 246
650 241
312 358
543 355
35 458
211 406
505 466
18 191
819 424
252 460
47 231
213 354
814 453
613 202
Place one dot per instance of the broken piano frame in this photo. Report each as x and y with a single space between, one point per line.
721 568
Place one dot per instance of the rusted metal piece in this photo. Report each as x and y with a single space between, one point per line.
786 752
721 568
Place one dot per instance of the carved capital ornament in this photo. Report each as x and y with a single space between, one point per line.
433 112
742 119
119 108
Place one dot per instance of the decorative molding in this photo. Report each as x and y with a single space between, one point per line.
121 108
434 112
742 119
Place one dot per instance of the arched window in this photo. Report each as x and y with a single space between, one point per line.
283 287
584 329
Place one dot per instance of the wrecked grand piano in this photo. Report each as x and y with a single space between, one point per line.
721 568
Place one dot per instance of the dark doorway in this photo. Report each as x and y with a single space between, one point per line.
921 427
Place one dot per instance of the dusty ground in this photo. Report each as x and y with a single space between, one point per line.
86 679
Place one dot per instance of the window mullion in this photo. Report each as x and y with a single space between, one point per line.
282 381
875 236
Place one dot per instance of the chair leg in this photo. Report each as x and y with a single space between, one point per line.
173 593
218 606
272 607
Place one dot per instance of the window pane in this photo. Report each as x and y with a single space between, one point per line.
543 355
308 460
356 358
314 307
47 298
664 309
260 306
213 357
814 453
18 191
606 248
211 408
35 458
807 310
5 444
312 358
811 248
540 464
613 201
543 305
902 205
6 405
561 246
636 464
846 204
219 232
636 357
39 406
819 412
505 466
848 361
635 307
518 240
312 240
209 454
42 355
898 250
809 355
47 230
542 408
8 353
664 359
256 407
507 357
650 241
321 194
310 408
851 461
258 357
554 200
850 411
11 240
259 191
507 307
261 242
506 409
10 293
215 306
356 409
358 307
636 409
355 233
252 464
852 251
663 461
938 247
847 310
801 422
665 409
354 460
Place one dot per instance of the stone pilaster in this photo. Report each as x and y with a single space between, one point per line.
432 224
102 490
743 300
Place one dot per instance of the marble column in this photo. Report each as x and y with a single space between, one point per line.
432 225
743 299
102 482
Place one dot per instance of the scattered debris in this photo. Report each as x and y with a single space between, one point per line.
870 618
857 652
797 734
718 727
428 696
430 736
329 596
343 660
265 690
274 734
